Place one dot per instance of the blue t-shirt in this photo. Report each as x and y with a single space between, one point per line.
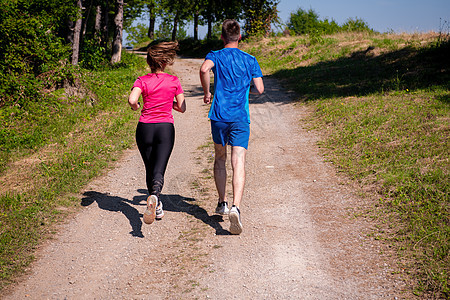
233 72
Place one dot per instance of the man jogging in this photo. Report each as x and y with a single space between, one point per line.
229 114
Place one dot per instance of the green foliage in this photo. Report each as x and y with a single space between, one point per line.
31 54
328 27
216 31
259 15
304 22
308 22
93 55
356 24
137 35
132 61
165 30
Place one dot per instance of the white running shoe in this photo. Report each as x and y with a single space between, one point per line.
235 220
159 211
150 212
222 208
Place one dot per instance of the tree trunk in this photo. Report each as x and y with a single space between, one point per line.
209 34
105 27
86 20
76 35
175 25
117 42
210 18
71 26
196 25
151 25
98 20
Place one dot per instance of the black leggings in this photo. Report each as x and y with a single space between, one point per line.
155 143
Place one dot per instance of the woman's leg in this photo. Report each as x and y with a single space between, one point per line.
164 139
155 143
144 141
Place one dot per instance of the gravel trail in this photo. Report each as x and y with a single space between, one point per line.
300 240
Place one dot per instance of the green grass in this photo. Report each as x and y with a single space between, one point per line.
399 143
382 102
74 139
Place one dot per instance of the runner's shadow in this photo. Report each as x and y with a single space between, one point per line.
117 204
177 203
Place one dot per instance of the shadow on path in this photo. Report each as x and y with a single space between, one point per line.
175 203
117 204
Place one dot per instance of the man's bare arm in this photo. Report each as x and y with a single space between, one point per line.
258 87
205 79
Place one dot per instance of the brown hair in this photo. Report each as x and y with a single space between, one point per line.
161 55
231 31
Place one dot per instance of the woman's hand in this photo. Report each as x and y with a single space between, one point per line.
179 104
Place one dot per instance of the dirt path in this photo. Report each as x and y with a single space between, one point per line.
299 239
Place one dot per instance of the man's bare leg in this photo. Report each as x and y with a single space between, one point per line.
238 164
220 171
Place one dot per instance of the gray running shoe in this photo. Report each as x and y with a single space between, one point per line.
150 212
235 220
222 208
159 211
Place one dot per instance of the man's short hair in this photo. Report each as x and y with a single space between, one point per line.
231 31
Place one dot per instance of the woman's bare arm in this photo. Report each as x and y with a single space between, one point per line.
133 99
179 104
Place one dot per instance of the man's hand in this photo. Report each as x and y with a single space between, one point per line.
207 98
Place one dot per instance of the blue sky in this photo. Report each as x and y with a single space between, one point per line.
381 15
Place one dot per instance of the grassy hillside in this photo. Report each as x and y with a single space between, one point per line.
50 149
381 102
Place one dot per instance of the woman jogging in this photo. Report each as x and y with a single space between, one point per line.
155 132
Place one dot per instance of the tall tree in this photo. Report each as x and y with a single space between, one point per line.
210 15
196 9
98 20
105 25
118 33
77 34
87 17
198 14
259 16
175 25
136 9
213 11
181 9
230 9
152 18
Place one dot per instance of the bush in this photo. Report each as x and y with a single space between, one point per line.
304 22
356 24
31 53
93 55
138 34
307 22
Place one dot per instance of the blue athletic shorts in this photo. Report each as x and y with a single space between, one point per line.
231 133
